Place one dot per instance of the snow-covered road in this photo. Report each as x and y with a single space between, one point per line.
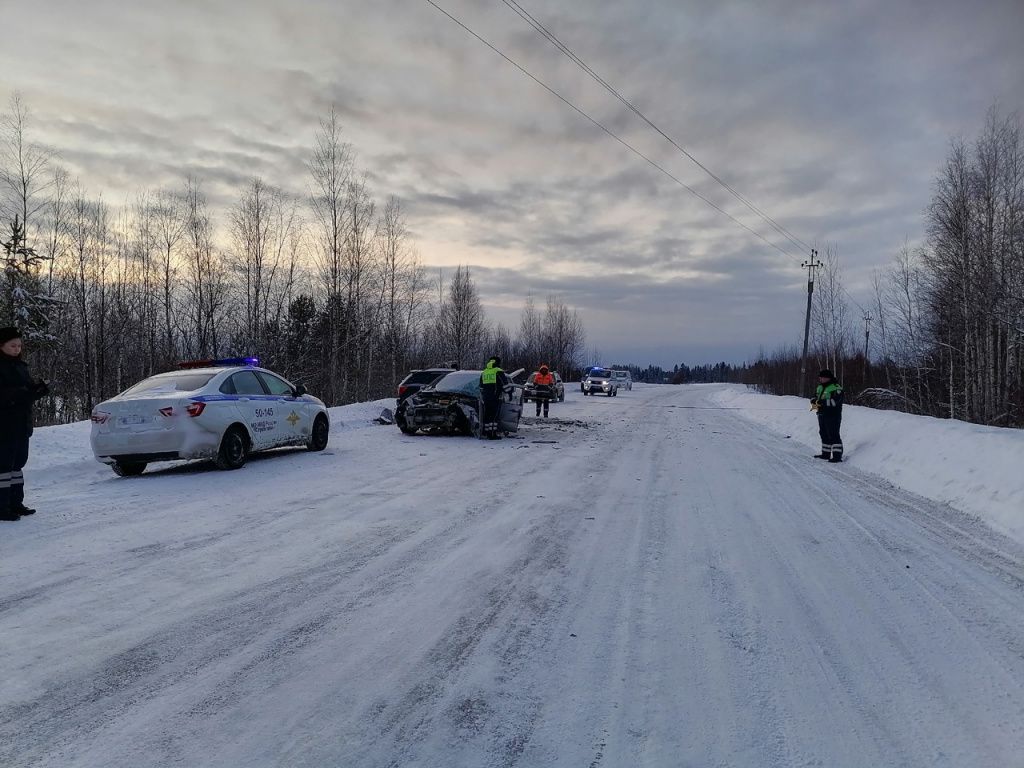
640 581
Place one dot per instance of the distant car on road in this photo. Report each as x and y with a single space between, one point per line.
212 409
418 379
530 389
624 379
452 405
599 381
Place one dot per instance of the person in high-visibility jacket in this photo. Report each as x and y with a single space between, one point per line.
493 381
544 381
828 403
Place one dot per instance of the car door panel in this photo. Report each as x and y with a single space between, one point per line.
291 414
511 409
256 408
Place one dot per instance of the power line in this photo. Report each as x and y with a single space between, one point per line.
608 131
568 52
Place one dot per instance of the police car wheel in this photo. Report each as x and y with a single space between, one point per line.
234 449
128 468
320 434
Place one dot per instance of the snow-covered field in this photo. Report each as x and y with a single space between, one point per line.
658 579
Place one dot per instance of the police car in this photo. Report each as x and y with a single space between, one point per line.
210 409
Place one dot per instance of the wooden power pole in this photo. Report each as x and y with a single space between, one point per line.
810 266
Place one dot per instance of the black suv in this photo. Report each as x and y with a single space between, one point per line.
418 379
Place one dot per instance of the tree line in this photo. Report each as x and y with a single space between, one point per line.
327 287
943 334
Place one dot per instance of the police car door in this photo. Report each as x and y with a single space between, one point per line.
255 407
292 413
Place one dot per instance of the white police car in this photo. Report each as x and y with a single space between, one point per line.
211 409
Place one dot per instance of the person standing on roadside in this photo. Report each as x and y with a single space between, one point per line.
493 381
828 404
18 392
544 381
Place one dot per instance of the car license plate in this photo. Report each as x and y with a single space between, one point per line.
128 421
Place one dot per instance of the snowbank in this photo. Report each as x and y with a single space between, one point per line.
977 469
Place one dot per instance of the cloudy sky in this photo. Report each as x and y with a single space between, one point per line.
831 117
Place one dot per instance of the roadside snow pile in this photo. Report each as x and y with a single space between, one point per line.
358 415
977 469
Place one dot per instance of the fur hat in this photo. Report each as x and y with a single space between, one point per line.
825 373
8 333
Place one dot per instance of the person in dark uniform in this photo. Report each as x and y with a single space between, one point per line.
492 383
18 391
828 403
544 381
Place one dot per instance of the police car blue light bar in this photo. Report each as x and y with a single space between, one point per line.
220 362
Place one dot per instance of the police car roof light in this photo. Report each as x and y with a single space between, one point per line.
221 361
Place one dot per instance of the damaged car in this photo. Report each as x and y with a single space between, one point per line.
452 405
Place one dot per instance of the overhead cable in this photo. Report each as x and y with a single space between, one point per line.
608 131
553 39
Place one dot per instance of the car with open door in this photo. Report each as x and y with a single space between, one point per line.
453 405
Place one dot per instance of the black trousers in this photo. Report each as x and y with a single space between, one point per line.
13 456
491 405
828 428
542 403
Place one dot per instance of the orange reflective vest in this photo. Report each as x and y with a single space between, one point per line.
544 380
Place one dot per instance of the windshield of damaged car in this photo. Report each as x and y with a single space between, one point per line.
177 382
464 382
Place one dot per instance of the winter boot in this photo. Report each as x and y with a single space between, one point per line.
823 455
21 509
836 458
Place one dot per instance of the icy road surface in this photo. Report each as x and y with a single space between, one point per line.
639 581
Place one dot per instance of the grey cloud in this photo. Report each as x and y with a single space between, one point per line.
833 118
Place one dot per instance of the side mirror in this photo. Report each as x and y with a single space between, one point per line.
299 390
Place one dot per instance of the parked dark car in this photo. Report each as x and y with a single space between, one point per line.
452 405
530 389
418 379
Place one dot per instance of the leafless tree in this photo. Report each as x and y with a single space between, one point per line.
24 168
461 325
331 170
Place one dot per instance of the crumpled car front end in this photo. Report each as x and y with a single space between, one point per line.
442 412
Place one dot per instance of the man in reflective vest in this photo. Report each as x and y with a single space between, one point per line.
492 383
544 381
828 404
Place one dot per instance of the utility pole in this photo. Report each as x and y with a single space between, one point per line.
810 266
867 335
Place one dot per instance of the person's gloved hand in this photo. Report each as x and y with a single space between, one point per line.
40 389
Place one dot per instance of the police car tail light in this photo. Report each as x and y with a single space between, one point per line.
194 409
99 417
168 411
